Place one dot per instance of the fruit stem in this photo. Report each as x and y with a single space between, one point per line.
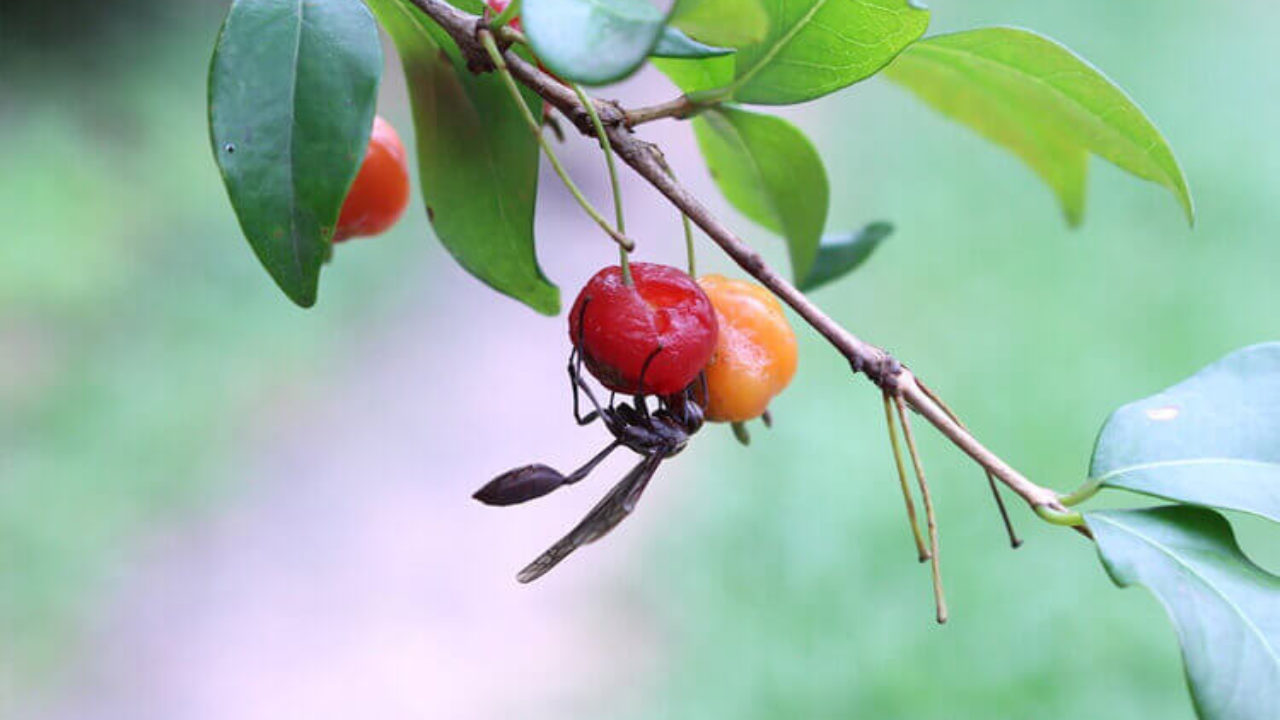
504 17
495 55
688 245
603 137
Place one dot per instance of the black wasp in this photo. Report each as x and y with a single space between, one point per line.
656 435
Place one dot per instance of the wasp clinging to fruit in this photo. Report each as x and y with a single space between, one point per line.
652 336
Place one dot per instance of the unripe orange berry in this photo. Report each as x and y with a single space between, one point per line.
380 192
755 355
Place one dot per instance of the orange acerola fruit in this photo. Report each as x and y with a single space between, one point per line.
755 355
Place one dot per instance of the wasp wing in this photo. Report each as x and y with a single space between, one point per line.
604 517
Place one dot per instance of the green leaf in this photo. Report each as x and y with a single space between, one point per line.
1041 101
770 172
815 47
292 93
697 75
477 160
1213 439
675 44
592 42
732 23
841 253
1225 608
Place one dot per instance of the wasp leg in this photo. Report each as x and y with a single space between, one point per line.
640 402
580 387
591 464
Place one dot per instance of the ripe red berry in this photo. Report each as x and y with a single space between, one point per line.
618 327
380 191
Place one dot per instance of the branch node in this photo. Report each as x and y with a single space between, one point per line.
884 370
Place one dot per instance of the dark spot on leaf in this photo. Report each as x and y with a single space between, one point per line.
230 148
431 214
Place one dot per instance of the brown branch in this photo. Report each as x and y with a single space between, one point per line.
680 108
646 160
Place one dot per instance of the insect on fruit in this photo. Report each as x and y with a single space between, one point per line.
666 317
380 192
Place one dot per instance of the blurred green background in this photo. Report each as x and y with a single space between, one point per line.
146 361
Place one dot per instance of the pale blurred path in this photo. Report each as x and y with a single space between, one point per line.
346 572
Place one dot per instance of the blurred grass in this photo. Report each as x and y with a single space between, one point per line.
140 342
787 586
136 331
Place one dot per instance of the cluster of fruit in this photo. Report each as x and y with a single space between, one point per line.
733 330
657 335
710 349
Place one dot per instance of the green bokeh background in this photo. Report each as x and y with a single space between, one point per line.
135 329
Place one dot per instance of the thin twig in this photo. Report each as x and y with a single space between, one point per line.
1014 541
940 598
679 108
921 552
863 357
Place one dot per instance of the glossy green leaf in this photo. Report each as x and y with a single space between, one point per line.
693 76
731 23
675 44
592 42
1225 608
770 172
477 160
1213 439
841 253
815 47
1044 103
292 93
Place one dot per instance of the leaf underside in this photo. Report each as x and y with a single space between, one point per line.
477 159
841 253
1048 106
593 42
1213 439
1226 609
769 171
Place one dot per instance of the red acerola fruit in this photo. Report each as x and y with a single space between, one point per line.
380 192
665 314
